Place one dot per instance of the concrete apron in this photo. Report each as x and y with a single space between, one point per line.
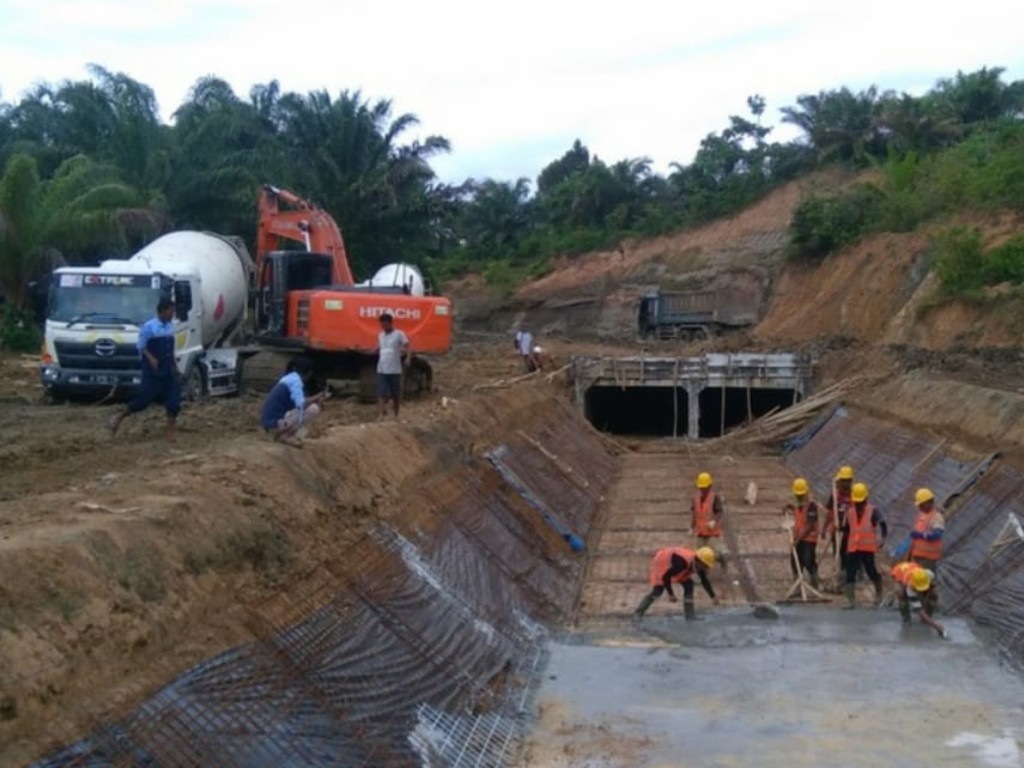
819 686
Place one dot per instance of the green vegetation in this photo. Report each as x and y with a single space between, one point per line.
963 265
88 171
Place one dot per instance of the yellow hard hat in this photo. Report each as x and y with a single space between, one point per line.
845 473
704 480
921 580
707 556
923 495
859 492
800 487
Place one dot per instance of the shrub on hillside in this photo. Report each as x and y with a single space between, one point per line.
1005 263
962 265
957 259
823 225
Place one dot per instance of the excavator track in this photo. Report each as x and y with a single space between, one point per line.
261 371
418 380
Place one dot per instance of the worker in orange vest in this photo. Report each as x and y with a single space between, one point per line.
679 564
861 523
805 530
914 585
836 507
926 537
706 511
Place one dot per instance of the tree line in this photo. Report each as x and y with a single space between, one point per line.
89 171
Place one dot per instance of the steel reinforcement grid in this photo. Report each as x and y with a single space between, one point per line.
421 647
981 573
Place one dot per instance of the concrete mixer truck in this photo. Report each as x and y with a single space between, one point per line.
95 313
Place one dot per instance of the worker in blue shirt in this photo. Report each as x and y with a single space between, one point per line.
287 410
159 371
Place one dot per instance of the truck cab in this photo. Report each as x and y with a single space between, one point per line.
92 328
94 316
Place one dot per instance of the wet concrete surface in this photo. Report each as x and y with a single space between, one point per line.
818 686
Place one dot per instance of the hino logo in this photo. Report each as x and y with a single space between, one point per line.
105 347
399 313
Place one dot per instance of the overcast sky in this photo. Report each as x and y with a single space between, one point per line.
511 85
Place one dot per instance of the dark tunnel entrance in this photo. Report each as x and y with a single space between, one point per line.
740 405
637 410
654 411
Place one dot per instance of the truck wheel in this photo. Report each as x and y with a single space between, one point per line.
195 384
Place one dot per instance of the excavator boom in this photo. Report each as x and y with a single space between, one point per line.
304 223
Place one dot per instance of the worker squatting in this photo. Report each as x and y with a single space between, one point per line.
848 524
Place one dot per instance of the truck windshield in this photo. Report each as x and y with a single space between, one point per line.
78 298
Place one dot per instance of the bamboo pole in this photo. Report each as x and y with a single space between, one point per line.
675 400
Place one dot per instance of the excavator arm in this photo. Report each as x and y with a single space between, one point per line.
303 222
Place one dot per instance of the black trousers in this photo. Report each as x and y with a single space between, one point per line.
687 585
807 554
854 562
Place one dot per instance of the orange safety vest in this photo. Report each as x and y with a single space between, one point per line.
800 522
862 532
703 513
901 572
663 561
927 550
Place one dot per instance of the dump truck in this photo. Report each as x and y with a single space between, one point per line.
691 314
94 315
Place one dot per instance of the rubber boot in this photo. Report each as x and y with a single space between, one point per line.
642 608
878 592
850 590
689 612
813 573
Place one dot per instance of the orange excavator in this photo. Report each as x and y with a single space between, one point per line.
307 301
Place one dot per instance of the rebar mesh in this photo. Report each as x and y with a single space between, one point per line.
975 578
417 646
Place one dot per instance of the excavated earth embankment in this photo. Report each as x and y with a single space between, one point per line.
378 598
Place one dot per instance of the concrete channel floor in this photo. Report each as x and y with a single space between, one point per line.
817 686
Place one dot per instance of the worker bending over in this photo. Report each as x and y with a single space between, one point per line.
862 521
914 586
679 564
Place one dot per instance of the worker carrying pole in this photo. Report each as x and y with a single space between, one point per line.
678 564
862 521
805 530
914 585
838 504
929 527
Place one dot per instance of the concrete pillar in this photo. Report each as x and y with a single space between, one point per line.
693 391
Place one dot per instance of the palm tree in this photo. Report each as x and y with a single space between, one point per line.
497 216
84 206
382 193
841 126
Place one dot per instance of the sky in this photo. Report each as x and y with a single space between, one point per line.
512 85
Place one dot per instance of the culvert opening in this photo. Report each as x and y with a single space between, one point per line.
665 411
693 397
721 409
654 411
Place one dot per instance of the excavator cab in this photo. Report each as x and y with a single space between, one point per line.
284 272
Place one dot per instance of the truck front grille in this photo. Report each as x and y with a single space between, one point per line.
102 354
